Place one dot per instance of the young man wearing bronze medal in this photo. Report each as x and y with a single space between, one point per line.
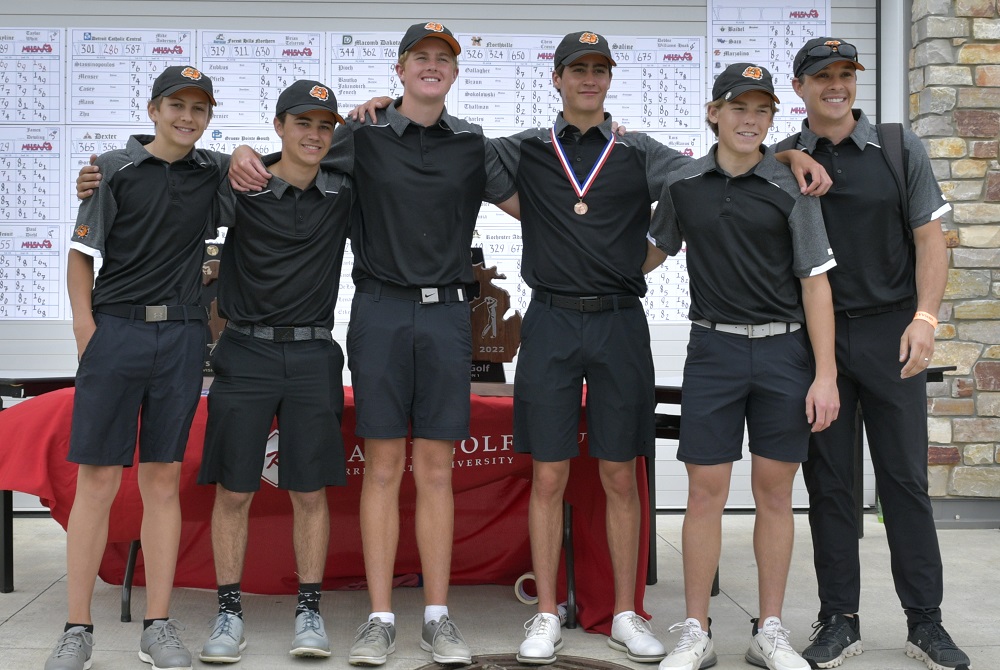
585 196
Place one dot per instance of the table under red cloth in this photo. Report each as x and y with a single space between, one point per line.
491 482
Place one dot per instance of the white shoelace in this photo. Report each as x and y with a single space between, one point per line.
639 626
777 635
538 626
691 634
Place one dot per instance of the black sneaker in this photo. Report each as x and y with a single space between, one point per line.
929 642
834 639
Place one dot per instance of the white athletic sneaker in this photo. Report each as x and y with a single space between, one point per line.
694 650
769 648
541 641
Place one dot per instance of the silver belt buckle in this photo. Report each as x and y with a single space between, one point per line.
156 313
429 296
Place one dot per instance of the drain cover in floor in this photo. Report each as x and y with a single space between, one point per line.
509 662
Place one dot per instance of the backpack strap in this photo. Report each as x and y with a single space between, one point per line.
890 137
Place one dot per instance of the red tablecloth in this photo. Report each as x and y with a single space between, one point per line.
491 483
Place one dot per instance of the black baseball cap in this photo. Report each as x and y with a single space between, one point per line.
304 96
178 77
575 45
819 52
419 31
739 78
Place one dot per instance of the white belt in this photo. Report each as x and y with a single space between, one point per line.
750 330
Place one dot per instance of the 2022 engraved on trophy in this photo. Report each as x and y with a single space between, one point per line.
495 339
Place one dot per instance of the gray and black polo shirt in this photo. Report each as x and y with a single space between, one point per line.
419 193
749 238
600 252
284 250
148 223
864 218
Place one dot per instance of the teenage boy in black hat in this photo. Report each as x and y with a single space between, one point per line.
140 337
585 196
754 244
421 176
277 358
887 291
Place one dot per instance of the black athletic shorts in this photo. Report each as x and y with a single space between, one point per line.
256 380
560 348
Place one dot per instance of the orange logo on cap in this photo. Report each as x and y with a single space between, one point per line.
753 72
191 73
436 27
589 38
833 44
320 93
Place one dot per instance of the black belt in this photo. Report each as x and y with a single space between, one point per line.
426 296
589 303
881 309
154 313
282 333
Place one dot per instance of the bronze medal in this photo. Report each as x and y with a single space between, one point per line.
581 190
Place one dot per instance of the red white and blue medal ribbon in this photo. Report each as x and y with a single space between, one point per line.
581 189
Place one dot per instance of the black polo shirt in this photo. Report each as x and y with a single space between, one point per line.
284 251
419 193
600 252
748 238
864 219
148 224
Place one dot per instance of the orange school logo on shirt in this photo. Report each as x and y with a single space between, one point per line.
589 38
320 93
82 231
191 73
753 73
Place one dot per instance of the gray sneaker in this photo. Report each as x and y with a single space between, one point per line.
374 641
226 641
310 635
161 647
443 639
73 651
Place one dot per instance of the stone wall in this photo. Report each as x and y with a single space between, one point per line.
955 108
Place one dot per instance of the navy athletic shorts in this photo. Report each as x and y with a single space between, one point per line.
410 366
134 370
731 380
